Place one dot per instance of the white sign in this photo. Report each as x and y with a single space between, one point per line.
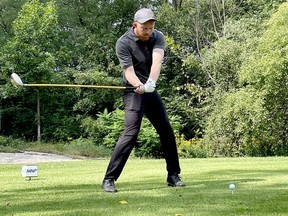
29 171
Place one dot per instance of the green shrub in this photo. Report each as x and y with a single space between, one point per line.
193 148
8 144
235 123
87 148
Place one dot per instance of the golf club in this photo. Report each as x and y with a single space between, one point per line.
17 80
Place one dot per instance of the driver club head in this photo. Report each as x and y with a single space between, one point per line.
16 79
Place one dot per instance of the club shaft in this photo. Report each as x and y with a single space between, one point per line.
77 86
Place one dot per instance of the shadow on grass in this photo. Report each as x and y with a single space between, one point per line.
238 171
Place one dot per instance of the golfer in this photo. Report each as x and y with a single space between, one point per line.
140 52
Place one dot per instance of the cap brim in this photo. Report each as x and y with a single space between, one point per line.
145 20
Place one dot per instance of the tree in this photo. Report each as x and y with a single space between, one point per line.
249 116
9 10
31 50
268 70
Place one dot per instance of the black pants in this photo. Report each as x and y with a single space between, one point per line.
136 106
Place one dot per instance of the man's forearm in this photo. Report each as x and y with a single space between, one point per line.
158 55
131 77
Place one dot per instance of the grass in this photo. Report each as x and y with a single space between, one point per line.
73 188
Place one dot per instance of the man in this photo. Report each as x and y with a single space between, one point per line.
140 52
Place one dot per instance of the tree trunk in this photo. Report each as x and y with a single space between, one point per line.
38 118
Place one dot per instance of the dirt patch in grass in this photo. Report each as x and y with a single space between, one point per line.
31 157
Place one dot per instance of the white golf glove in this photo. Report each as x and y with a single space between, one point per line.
150 85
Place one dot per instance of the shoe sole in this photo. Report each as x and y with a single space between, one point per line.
173 185
109 191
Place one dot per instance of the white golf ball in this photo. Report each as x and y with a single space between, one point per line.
232 186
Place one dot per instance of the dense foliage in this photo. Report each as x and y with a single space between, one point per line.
224 77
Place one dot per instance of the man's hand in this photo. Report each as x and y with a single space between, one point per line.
140 89
150 85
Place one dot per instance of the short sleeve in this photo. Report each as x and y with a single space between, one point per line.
160 40
124 54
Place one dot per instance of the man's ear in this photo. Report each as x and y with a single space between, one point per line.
135 24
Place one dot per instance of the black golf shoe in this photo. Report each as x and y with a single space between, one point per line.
175 181
109 186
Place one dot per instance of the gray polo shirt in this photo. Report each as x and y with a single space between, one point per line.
133 52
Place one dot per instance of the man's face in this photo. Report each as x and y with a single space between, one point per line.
144 30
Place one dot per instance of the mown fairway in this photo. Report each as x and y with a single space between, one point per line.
73 188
